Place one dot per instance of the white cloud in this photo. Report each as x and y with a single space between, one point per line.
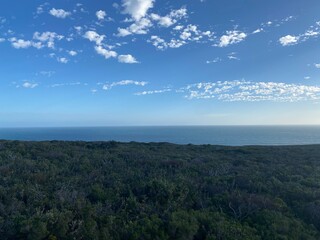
65 84
252 91
317 65
99 48
192 33
153 92
62 60
232 37
161 44
312 32
171 18
257 31
47 73
20 43
92 36
141 26
48 38
127 59
45 39
163 21
101 14
216 60
137 8
78 29
29 85
59 13
187 34
178 27
41 8
104 52
122 32
288 40
231 57
2 40
72 53
123 83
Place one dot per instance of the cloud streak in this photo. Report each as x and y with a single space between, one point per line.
123 83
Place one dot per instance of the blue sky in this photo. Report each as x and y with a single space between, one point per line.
152 62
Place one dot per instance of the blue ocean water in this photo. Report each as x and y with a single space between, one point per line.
217 135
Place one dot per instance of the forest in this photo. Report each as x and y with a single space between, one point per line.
110 190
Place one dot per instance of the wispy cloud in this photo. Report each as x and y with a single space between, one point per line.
153 92
29 85
215 60
55 85
123 83
46 73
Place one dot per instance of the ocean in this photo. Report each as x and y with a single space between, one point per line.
217 135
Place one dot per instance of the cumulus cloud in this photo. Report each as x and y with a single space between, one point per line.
127 59
231 37
252 91
101 15
105 52
2 40
189 33
288 40
20 43
48 38
40 40
123 83
137 8
59 13
317 65
161 44
311 32
171 18
93 36
140 26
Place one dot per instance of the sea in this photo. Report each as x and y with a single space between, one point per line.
216 135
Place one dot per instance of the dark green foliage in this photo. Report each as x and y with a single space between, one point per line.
110 190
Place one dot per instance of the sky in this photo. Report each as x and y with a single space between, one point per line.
157 62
